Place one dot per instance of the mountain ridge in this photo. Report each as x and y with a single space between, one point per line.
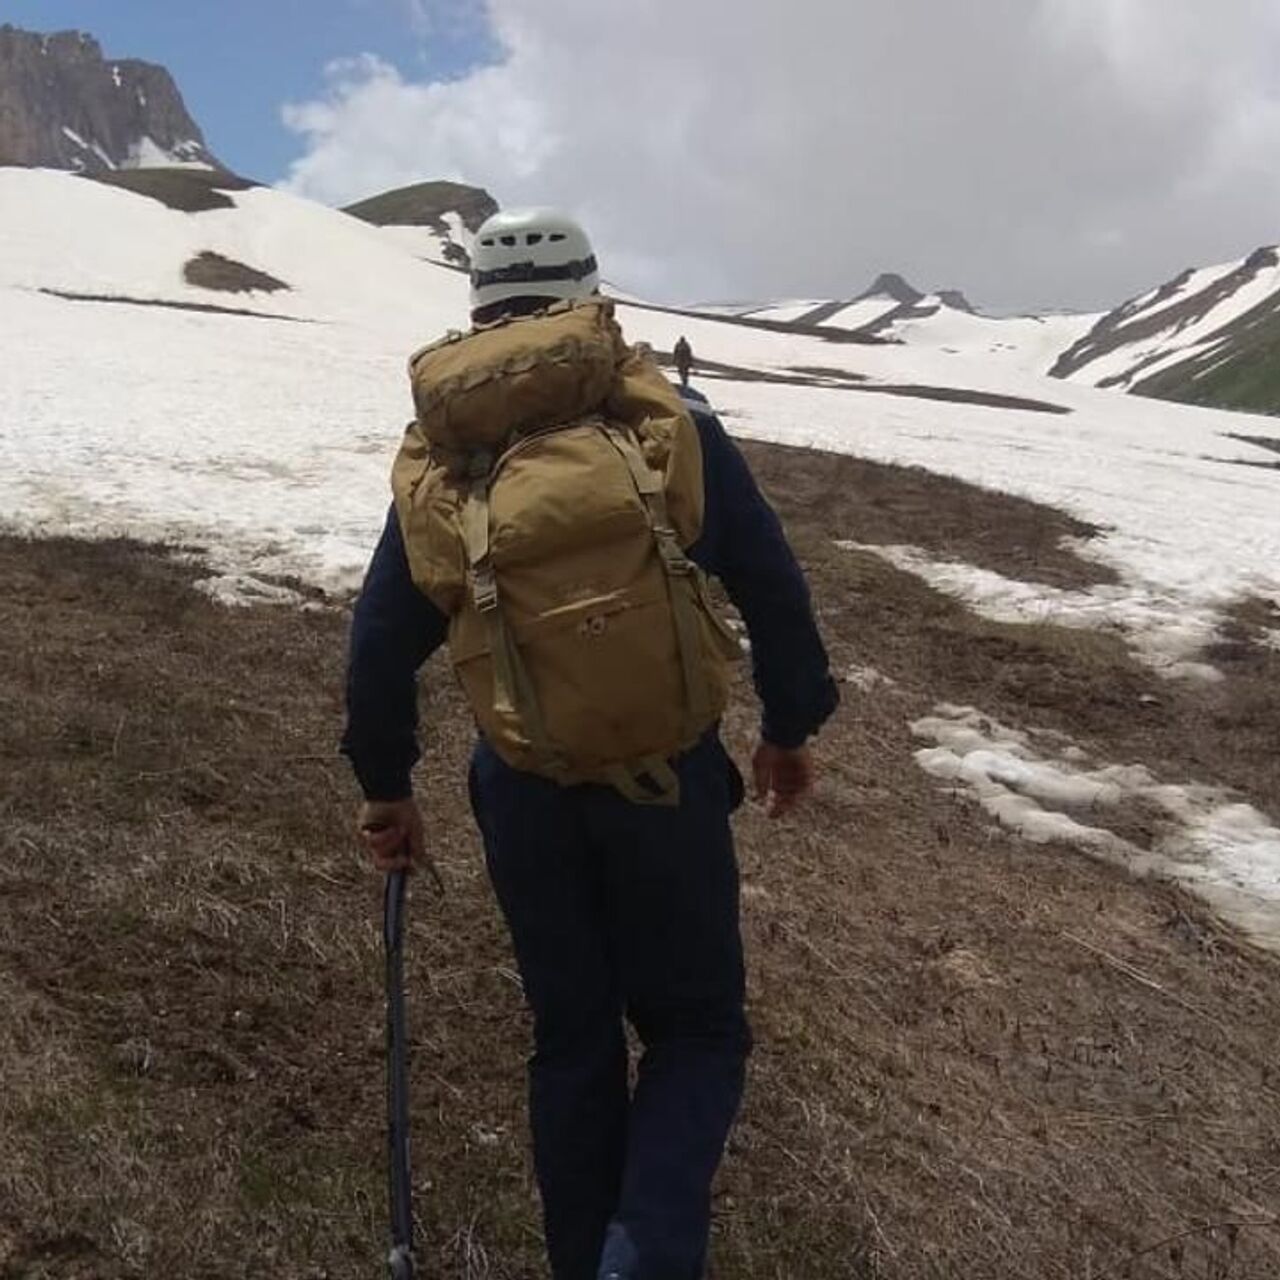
64 105
888 299
1208 336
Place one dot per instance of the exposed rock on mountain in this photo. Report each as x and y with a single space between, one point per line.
186 190
451 211
892 285
64 106
956 300
425 204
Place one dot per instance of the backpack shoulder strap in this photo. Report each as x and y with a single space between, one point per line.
682 579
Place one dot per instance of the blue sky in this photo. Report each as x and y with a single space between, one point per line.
238 61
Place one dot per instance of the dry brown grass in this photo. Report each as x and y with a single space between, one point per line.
977 1058
186 190
209 270
203 308
817 376
826 496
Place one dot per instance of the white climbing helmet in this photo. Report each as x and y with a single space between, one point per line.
531 253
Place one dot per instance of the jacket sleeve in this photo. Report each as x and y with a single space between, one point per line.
394 629
743 545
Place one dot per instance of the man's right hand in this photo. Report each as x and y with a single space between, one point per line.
391 831
783 777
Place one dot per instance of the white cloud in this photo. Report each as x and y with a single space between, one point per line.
443 19
1032 152
420 16
376 131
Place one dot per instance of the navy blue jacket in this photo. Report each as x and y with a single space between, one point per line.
396 628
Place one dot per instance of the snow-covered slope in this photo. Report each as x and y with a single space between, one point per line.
862 313
785 311
1207 336
852 314
448 244
1031 344
74 236
944 323
256 429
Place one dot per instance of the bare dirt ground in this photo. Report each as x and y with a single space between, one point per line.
976 1057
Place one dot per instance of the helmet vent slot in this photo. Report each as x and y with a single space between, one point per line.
556 235
534 237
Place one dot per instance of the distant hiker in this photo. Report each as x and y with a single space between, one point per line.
683 354
556 506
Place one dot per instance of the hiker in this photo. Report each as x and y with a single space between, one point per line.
556 503
683 354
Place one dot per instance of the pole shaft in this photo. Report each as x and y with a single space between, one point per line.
400 1185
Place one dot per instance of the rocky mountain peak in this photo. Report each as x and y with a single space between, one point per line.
63 105
956 300
892 285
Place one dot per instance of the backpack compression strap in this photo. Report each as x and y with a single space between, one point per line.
682 583
512 688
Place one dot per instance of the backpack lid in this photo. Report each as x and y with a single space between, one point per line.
480 389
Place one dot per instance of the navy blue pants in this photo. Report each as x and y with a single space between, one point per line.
620 910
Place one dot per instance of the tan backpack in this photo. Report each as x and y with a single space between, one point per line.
546 492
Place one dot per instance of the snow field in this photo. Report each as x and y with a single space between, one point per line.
1026 344
857 315
267 444
783 312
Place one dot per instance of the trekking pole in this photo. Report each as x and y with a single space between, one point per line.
400 1259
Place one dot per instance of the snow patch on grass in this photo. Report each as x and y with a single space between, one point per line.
236 589
1041 786
865 679
1166 629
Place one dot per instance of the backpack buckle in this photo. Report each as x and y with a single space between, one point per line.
484 588
674 559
